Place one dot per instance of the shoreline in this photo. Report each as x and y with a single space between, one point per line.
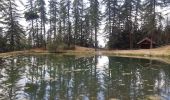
123 53
152 54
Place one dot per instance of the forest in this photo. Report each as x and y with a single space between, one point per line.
62 24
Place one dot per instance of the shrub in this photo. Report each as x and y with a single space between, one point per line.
59 47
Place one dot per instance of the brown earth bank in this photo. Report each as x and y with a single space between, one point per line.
161 53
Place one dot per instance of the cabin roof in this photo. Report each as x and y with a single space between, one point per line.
146 39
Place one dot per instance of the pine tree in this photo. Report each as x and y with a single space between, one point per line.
31 15
127 9
14 32
69 42
62 19
86 36
151 17
78 9
112 20
43 19
2 41
137 10
94 18
53 13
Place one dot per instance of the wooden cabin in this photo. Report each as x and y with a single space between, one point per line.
146 43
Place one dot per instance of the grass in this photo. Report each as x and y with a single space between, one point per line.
16 53
79 51
157 52
161 54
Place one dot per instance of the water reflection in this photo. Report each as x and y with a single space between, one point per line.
50 77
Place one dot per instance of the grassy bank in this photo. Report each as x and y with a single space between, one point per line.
162 53
79 51
16 53
157 52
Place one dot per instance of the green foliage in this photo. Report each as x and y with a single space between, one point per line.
14 33
129 21
94 19
15 36
57 46
2 44
78 23
31 15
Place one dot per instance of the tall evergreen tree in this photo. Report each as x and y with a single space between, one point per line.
14 32
68 40
95 18
127 9
112 21
62 19
2 41
150 16
31 15
43 19
79 14
53 13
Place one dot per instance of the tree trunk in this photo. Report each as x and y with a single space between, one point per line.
96 39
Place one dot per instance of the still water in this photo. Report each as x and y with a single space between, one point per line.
52 77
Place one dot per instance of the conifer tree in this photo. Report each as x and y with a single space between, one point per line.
111 16
53 20
30 16
150 16
43 20
94 19
14 31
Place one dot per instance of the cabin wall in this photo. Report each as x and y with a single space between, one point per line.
146 46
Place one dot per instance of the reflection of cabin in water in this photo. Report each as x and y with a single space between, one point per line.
146 43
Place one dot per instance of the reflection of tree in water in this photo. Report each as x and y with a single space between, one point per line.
77 78
131 79
53 77
10 87
64 78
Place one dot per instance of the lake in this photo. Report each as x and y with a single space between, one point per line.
58 77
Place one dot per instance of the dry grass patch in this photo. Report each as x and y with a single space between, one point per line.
153 97
162 51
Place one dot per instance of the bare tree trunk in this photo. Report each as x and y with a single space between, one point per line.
153 30
69 25
96 44
44 29
37 35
